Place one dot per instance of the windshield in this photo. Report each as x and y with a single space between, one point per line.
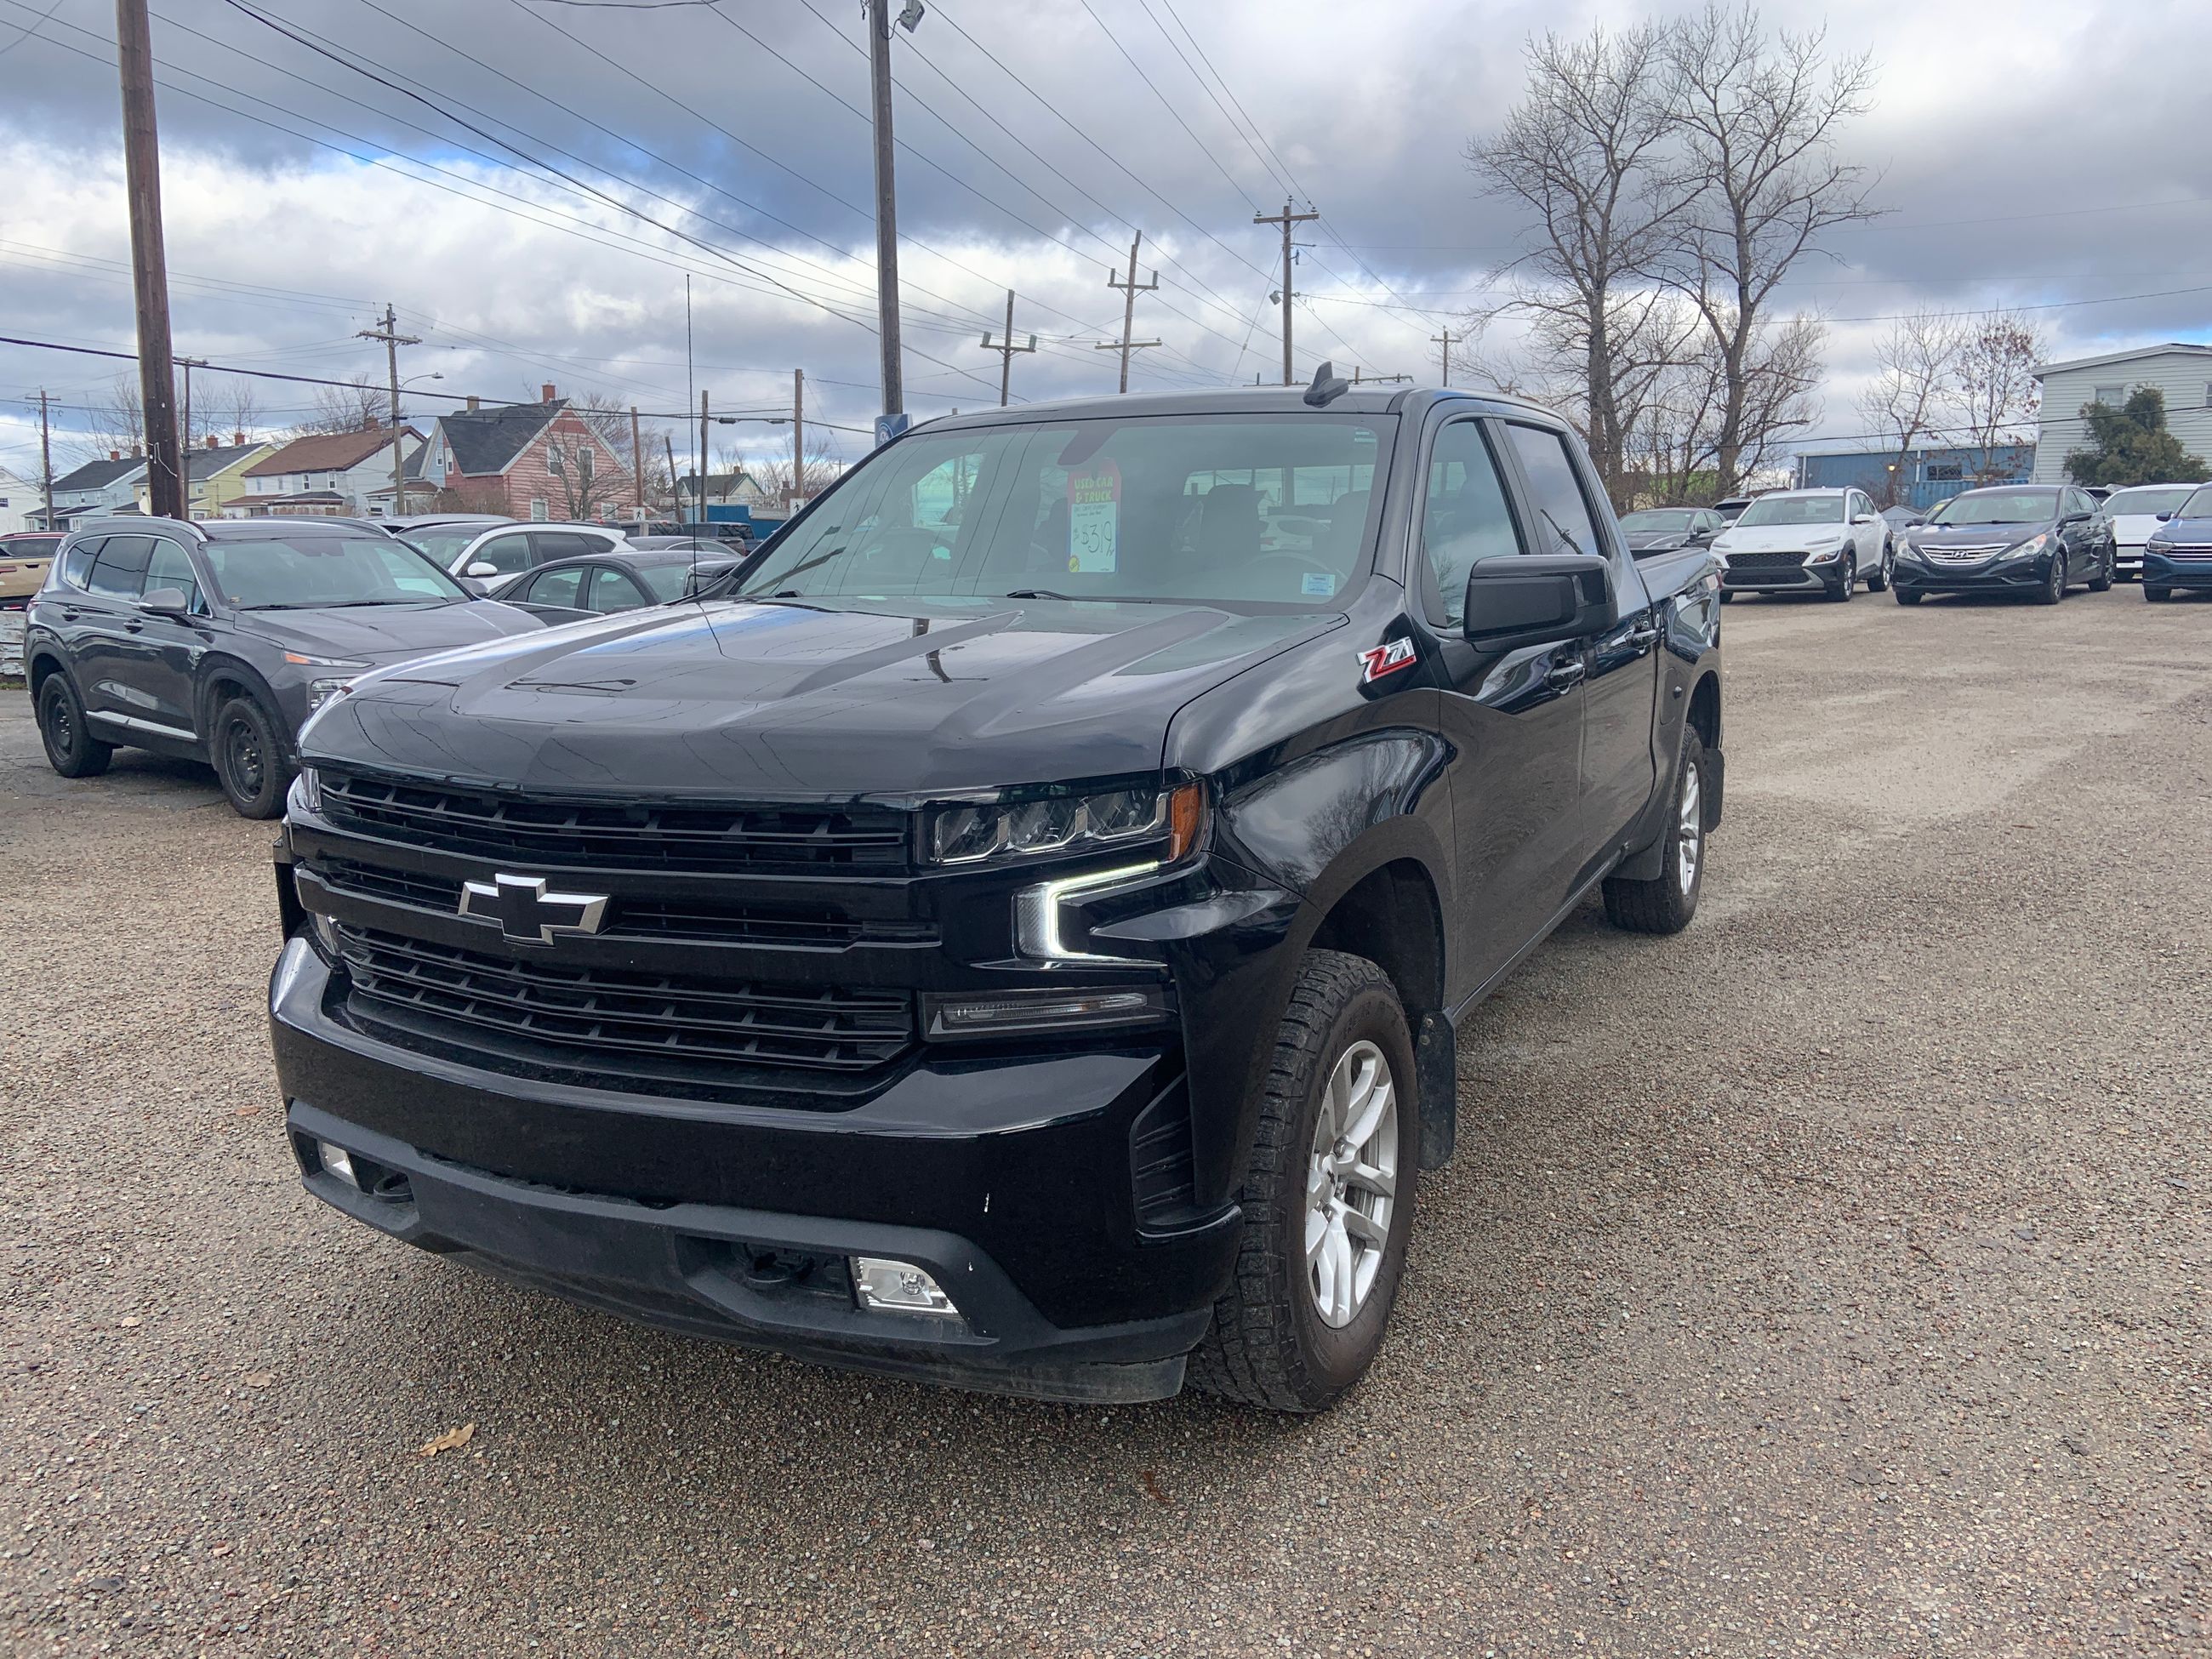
1792 509
2146 498
1997 507
2198 505
307 571
1660 522
445 545
1267 509
29 547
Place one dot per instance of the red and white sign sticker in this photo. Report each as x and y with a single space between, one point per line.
1385 659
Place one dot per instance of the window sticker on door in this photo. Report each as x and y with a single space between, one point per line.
1318 584
1094 519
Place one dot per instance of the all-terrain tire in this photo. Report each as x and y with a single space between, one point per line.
1269 1345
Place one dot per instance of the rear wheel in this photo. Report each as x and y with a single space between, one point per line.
71 750
249 759
1327 1197
1665 903
2107 567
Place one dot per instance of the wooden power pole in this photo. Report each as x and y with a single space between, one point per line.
1130 288
388 331
798 442
46 457
1006 348
1285 219
703 457
879 20
636 467
1445 340
149 264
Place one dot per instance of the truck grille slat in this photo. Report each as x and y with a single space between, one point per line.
593 1010
866 841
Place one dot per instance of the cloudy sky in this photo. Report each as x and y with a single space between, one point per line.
2033 156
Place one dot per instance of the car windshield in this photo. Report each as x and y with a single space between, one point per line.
1658 520
1262 509
29 547
1997 507
444 545
1792 509
306 572
2147 499
2198 505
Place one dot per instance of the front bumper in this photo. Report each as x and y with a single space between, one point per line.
1008 1179
1827 578
2163 570
2127 560
1917 573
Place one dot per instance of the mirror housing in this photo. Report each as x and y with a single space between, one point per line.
167 602
1539 599
482 568
474 586
2165 518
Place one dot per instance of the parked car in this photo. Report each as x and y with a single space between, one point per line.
501 550
441 536
1665 529
2135 513
605 583
2035 540
1020 951
2179 555
1732 509
216 640
1806 541
24 558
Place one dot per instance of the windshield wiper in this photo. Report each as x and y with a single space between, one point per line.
1046 593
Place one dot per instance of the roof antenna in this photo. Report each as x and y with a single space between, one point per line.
1327 386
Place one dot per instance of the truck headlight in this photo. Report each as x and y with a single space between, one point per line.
974 833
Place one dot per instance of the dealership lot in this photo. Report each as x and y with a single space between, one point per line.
1830 1277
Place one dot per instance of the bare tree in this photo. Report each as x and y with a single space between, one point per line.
583 476
357 406
118 421
234 410
822 470
1583 152
1758 119
1997 392
1915 370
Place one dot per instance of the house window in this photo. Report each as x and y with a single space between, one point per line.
538 509
2111 396
2208 394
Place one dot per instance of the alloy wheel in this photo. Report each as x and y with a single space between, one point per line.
1689 828
1352 1183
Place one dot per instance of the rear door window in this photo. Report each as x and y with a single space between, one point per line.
119 572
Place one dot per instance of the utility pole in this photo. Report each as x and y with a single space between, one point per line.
878 17
185 447
46 457
1285 219
1359 378
1130 288
675 503
702 455
636 467
1445 340
149 264
1006 348
798 441
393 339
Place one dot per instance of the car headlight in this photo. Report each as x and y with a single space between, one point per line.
977 832
2158 543
321 691
2028 549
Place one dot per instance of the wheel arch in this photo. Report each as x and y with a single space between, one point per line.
222 677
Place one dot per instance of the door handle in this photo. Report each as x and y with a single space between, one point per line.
1644 633
134 626
1565 676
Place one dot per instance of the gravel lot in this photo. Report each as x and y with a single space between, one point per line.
1830 1279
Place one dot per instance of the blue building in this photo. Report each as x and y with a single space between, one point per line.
1928 476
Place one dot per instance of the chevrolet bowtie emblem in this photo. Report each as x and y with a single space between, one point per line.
528 913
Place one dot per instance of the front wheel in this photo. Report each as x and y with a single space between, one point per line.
1908 595
1665 903
2106 569
2155 594
71 750
1727 596
1327 1197
2054 588
249 759
1879 581
1851 584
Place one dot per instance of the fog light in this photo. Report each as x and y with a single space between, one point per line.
338 1162
886 1287
998 1013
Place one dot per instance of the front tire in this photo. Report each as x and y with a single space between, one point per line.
1665 903
1879 581
1843 595
1327 1197
71 750
249 759
2053 589
2155 595
1727 596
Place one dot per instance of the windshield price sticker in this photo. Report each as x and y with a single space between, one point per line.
1094 518
1318 585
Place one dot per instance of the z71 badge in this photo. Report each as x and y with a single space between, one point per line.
1385 659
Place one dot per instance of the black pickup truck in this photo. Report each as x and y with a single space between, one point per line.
1012 934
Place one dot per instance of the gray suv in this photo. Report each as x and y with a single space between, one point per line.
214 642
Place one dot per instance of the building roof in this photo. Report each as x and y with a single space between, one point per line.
206 463
327 452
299 498
97 475
2136 356
482 441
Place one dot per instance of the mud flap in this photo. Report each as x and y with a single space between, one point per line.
1435 1068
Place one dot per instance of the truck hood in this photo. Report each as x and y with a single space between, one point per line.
380 634
785 701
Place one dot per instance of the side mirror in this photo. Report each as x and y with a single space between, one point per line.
475 587
173 602
1539 599
482 568
2164 518
1700 536
1863 518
